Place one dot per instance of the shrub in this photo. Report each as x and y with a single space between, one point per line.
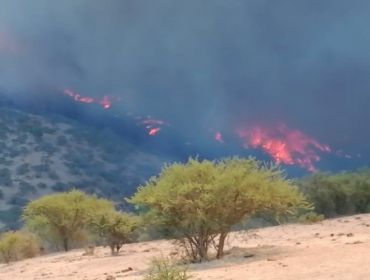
36 131
41 168
18 245
47 148
115 227
311 218
344 193
23 169
53 176
5 177
61 140
18 200
26 188
166 269
42 186
60 187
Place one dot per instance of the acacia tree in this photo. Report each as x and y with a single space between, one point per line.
64 216
199 201
115 227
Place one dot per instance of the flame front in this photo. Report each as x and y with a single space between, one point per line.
285 145
218 137
105 101
153 125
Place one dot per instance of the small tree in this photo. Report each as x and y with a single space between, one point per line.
115 227
64 216
199 201
9 243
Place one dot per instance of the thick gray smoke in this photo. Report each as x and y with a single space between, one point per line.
200 63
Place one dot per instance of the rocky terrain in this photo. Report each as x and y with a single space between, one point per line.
335 249
41 155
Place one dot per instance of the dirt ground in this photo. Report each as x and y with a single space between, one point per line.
334 249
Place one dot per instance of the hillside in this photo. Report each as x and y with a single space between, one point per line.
41 155
334 249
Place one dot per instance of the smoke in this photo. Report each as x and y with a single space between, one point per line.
218 64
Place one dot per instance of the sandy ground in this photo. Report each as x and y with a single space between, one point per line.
336 249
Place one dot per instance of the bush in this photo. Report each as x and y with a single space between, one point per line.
23 169
36 131
53 176
60 187
47 148
18 200
18 245
115 227
311 218
61 140
40 168
26 188
344 193
166 269
5 177
42 186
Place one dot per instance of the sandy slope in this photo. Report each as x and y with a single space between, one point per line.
335 249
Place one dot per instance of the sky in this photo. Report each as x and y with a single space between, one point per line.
200 64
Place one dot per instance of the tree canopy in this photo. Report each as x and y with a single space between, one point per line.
201 200
333 194
64 215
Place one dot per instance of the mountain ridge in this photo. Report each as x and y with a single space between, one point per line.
43 155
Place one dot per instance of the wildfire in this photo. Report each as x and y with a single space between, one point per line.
154 131
105 101
218 137
152 124
285 145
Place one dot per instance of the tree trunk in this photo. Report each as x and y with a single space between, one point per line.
203 254
221 245
65 244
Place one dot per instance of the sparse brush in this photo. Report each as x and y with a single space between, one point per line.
18 245
166 269
311 218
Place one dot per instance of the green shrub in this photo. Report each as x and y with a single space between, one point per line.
311 218
334 194
18 245
166 269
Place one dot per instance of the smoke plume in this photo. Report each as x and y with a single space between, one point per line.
200 64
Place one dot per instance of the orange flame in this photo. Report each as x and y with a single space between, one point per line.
105 101
154 131
218 137
284 144
149 122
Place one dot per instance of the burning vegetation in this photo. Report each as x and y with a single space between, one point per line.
283 144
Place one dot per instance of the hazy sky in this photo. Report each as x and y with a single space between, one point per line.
198 62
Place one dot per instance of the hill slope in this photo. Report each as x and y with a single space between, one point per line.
41 155
334 249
